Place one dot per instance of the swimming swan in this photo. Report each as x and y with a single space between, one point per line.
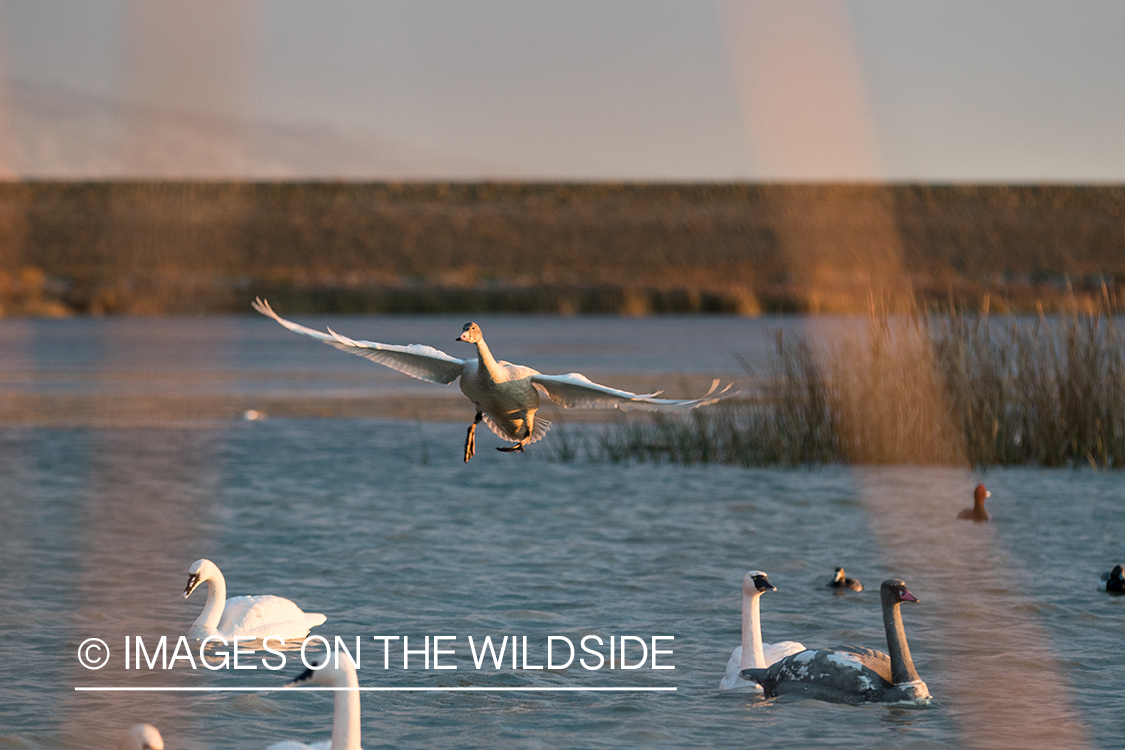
254 616
842 581
141 737
345 715
853 675
506 396
752 652
977 512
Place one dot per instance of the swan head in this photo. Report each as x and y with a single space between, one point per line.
471 333
894 591
979 495
756 583
141 737
200 571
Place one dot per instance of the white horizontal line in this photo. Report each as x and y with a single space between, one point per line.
399 689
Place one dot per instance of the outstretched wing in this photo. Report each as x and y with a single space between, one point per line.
416 360
575 390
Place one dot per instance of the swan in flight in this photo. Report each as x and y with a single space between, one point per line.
506 396
345 714
842 581
977 512
254 616
849 674
141 737
752 652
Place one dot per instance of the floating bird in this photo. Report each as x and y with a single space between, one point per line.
141 737
345 714
253 616
1114 580
853 675
752 652
506 396
977 512
841 581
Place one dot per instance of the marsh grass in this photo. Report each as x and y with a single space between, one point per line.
948 389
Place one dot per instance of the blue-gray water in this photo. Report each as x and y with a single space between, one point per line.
378 524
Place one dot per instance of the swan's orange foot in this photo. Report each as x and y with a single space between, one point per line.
517 448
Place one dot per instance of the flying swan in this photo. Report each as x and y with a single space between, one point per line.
253 616
345 714
506 396
752 652
853 675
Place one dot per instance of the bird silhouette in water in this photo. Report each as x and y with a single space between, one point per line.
977 512
841 581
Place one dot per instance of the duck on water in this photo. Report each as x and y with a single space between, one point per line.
506 396
853 675
977 512
841 581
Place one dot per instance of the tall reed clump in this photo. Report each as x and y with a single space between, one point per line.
949 389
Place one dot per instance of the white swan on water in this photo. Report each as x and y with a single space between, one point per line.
141 737
253 616
752 652
345 714
506 395
849 674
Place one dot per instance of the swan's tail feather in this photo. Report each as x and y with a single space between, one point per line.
538 432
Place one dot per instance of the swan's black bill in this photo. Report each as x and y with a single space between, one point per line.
303 677
192 582
763 584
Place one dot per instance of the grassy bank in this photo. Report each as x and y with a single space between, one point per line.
950 389
177 247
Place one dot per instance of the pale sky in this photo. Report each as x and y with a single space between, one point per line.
936 90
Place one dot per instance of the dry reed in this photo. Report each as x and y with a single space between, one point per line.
948 389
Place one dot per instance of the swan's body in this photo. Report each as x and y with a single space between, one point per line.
841 581
853 675
141 737
752 652
1114 580
506 396
252 616
977 512
345 714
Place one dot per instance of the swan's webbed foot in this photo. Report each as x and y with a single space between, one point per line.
471 438
517 448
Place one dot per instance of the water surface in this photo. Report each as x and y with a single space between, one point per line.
377 523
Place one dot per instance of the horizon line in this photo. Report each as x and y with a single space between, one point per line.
402 688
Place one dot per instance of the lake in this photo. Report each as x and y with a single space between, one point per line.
125 457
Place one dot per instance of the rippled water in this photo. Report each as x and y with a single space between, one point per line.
377 523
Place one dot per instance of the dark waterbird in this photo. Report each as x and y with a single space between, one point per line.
1114 580
841 581
977 512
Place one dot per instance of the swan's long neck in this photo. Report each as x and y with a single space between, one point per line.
752 653
345 716
487 361
208 620
902 666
